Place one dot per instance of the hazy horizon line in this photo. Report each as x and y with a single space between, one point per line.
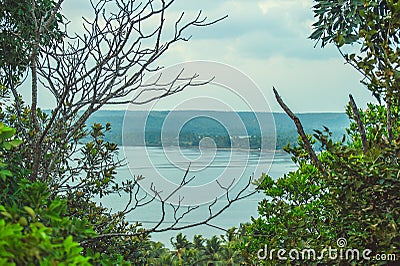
223 111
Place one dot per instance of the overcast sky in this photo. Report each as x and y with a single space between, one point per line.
266 40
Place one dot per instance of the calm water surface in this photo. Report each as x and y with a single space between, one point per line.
206 165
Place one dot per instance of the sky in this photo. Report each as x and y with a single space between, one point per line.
267 41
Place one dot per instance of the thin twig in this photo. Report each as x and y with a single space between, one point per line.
174 226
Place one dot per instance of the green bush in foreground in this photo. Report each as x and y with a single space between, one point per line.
357 200
24 239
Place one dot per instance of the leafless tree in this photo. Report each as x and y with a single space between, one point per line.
105 64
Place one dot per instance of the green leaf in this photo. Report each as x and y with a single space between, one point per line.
4 174
6 214
30 211
16 142
7 146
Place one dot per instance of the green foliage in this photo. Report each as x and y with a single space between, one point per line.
73 174
61 213
6 143
18 34
218 250
372 24
33 228
33 244
357 198
357 201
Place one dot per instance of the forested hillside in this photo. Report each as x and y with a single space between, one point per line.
202 126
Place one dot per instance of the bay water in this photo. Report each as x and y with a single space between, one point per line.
206 165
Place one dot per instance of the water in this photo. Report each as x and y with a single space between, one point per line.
168 165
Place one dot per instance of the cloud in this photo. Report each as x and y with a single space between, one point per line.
273 5
258 28
266 39
253 28
264 45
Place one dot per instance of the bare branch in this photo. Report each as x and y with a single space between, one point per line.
175 226
361 127
107 64
301 132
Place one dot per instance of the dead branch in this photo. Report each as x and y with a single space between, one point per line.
360 124
301 132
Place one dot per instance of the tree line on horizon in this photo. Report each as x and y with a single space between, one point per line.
202 126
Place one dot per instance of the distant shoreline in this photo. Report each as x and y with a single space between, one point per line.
206 148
